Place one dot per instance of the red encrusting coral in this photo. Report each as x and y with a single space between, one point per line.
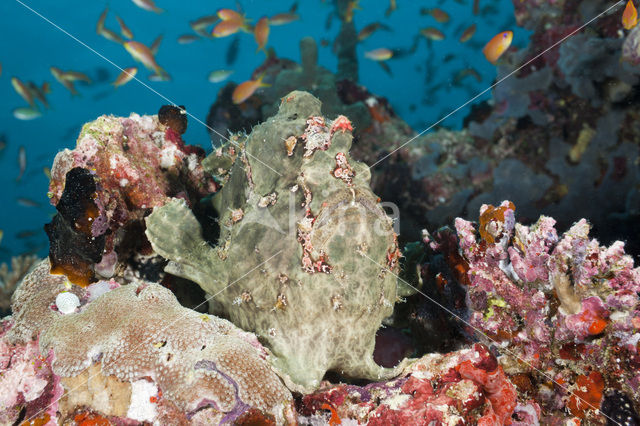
587 394
463 387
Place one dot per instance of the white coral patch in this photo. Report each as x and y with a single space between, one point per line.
168 156
158 138
397 402
192 162
67 302
96 290
146 122
140 407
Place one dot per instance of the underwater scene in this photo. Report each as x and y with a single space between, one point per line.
319 212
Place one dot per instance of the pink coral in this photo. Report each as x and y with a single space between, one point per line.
26 379
138 162
544 297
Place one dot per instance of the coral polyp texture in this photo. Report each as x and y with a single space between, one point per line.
303 248
132 353
563 310
120 168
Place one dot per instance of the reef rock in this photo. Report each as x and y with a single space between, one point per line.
120 168
310 281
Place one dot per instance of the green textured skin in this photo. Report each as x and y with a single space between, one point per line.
312 322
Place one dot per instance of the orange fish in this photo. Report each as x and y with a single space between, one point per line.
381 54
125 76
432 33
22 90
629 16
142 53
497 46
439 15
148 5
111 35
227 27
101 19
261 32
286 17
244 90
335 419
468 33
283 18
124 30
230 15
366 32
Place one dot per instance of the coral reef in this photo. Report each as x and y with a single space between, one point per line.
562 310
137 163
9 278
284 230
130 353
463 387
292 275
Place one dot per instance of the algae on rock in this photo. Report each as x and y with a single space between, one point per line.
304 246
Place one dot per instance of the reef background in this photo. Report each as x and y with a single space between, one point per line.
30 45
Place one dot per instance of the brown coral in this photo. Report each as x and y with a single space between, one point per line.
139 332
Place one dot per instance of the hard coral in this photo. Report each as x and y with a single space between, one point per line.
10 278
134 344
294 275
562 305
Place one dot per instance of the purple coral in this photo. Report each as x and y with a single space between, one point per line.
558 306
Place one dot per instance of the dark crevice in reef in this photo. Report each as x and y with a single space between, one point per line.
189 294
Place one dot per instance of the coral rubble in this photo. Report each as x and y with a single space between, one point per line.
293 275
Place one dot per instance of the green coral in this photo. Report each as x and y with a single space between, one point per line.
303 249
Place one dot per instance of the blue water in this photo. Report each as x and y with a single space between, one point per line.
29 45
